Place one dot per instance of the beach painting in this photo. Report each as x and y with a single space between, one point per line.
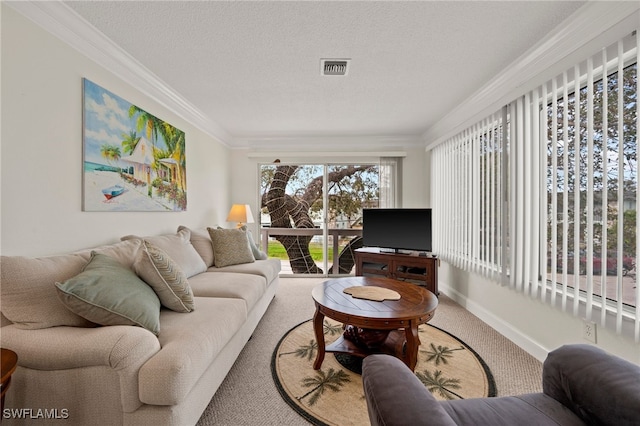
133 161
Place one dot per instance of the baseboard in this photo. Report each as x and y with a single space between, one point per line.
516 336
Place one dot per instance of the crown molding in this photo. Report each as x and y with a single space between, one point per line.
67 25
330 143
323 154
593 26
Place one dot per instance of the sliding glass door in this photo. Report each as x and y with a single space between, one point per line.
311 214
292 215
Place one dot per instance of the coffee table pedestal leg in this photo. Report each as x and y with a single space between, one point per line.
413 341
318 329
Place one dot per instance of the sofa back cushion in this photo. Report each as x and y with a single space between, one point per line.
28 293
201 242
179 248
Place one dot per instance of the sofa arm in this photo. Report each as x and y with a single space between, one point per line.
598 387
123 348
395 396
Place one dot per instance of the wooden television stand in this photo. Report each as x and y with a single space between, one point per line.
411 267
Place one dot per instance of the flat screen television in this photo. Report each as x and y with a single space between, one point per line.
397 229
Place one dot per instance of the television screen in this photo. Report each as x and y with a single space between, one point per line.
397 229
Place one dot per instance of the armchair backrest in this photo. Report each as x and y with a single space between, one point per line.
598 387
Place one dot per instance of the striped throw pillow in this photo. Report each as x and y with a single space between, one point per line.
165 277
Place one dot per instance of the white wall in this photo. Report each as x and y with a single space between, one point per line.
244 184
534 326
416 179
41 152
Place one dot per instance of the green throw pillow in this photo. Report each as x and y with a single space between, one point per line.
165 277
107 293
230 247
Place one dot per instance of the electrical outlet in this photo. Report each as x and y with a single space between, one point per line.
589 331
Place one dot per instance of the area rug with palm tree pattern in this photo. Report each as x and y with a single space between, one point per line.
333 395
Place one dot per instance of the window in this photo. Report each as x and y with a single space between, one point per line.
591 181
542 195
469 184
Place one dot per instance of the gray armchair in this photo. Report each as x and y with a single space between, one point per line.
582 385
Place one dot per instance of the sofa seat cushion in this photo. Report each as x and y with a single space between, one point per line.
190 343
268 268
247 287
535 409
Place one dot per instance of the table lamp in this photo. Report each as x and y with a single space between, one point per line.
240 213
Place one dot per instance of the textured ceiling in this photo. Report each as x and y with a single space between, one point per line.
254 67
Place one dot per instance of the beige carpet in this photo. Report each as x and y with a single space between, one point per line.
249 396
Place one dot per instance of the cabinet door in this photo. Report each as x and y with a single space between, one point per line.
373 265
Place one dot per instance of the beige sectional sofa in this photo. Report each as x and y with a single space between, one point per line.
74 369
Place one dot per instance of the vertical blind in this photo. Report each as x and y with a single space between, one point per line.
468 185
542 195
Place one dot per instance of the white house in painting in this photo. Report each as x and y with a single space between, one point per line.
141 159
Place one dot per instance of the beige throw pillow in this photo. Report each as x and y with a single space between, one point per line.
230 246
165 277
178 246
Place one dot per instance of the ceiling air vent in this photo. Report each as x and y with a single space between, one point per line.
334 66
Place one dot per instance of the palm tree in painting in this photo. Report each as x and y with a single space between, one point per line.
437 382
332 380
146 122
160 154
111 153
130 141
175 140
172 136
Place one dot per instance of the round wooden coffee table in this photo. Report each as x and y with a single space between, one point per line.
366 320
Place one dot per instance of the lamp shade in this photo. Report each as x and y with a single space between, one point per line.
240 213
